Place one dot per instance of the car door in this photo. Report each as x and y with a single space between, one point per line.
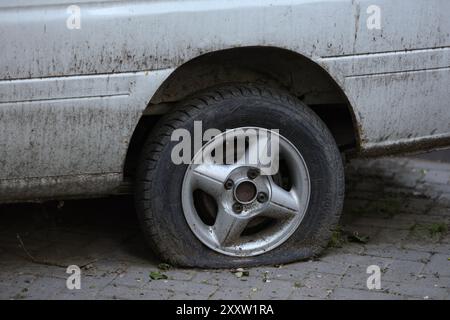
70 96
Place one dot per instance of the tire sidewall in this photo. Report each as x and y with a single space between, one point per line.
295 123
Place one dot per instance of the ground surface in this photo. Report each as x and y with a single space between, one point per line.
396 216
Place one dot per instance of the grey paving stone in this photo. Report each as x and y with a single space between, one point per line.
136 278
128 293
90 287
110 265
231 293
385 198
182 288
355 294
310 294
323 280
391 251
286 274
222 278
190 296
358 260
437 176
45 288
318 267
439 264
416 290
23 266
273 290
356 278
15 286
403 271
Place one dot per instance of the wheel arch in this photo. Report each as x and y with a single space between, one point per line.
301 76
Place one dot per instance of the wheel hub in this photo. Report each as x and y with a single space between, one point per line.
245 192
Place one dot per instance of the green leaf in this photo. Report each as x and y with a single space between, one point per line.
156 275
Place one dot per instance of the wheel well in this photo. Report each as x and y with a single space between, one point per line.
270 66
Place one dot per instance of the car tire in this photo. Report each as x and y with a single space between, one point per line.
159 182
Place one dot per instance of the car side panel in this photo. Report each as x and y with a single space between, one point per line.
71 98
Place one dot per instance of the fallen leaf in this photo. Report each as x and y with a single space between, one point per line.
156 275
240 272
356 237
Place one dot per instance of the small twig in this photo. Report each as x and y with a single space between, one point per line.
25 249
34 259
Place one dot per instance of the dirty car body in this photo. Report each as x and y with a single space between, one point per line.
71 99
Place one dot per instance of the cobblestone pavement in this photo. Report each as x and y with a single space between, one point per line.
396 216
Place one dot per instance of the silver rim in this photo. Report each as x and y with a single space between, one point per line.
235 210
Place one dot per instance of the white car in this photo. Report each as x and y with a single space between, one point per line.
94 93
